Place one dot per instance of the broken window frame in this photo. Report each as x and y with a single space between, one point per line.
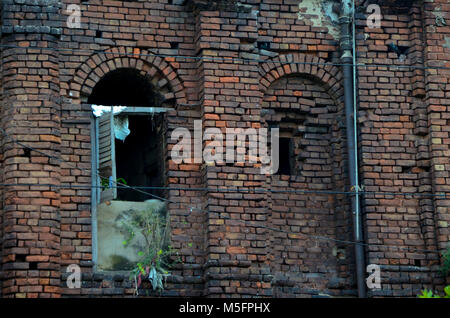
111 192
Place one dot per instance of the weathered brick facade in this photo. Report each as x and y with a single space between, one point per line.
232 64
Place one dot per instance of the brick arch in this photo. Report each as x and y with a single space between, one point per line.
328 75
318 164
162 75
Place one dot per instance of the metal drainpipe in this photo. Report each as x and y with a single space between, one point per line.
347 59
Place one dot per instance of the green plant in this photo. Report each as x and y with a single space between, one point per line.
429 294
154 259
105 183
445 268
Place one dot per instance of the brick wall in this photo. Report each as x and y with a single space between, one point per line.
246 64
437 52
31 217
396 154
1 180
300 263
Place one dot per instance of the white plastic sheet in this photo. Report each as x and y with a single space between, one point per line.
121 123
121 130
99 110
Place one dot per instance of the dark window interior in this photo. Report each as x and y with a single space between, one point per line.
285 167
125 87
139 159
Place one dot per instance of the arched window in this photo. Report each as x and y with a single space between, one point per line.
310 160
130 141
129 157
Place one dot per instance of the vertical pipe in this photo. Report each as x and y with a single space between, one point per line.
95 189
348 60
